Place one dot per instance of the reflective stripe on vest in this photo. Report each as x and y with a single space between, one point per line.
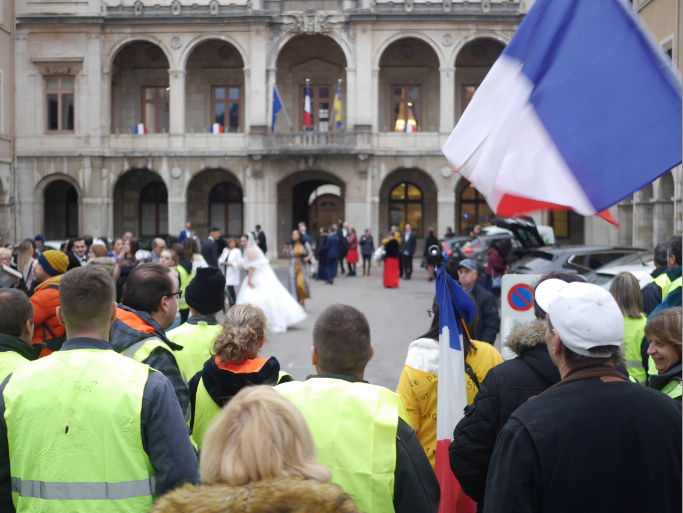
634 331
354 426
205 409
58 460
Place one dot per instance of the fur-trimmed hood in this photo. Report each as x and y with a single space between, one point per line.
278 495
526 336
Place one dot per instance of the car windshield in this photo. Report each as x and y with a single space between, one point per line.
602 279
534 261
631 259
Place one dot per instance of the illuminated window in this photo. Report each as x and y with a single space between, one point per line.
226 108
406 108
473 210
225 209
59 104
155 113
405 207
467 95
559 220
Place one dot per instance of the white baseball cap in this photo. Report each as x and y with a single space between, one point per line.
584 315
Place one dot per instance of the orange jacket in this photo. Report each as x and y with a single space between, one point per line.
45 302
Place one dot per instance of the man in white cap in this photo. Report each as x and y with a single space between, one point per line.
594 442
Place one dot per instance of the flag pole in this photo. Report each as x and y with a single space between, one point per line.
284 109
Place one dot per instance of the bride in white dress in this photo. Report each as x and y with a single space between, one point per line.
263 289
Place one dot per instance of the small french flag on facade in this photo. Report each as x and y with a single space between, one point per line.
140 129
216 128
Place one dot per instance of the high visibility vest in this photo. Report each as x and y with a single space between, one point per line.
673 389
197 341
77 446
676 284
634 331
185 278
9 360
354 426
663 283
141 350
205 410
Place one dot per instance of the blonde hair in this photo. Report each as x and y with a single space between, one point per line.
259 435
244 328
625 289
666 326
5 251
25 254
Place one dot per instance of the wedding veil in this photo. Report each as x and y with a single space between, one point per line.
253 256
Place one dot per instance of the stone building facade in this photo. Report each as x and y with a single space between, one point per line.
91 74
7 225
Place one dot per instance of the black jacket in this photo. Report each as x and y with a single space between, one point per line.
652 293
408 246
599 444
261 241
488 322
210 252
659 381
506 387
163 429
391 249
416 488
222 385
429 242
16 345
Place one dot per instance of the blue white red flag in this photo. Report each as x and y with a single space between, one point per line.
454 305
216 128
580 110
140 129
307 107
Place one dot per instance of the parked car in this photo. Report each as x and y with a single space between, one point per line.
639 265
573 259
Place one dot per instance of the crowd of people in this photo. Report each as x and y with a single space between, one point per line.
162 410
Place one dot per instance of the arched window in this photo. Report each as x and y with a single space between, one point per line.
60 214
153 209
405 207
225 209
473 210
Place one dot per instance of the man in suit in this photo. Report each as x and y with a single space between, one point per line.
261 239
332 247
407 250
210 249
186 233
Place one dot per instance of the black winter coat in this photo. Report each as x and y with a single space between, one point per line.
506 387
488 320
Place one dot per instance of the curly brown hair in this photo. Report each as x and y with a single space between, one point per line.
244 330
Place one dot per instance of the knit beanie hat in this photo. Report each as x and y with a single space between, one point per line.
205 293
53 262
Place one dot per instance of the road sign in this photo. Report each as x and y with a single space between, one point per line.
517 305
521 297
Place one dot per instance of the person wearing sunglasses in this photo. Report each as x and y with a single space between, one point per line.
149 303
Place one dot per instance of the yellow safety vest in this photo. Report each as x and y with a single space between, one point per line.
354 426
9 360
663 283
673 389
676 284
206 409
197 341
634 331
78 446
185 278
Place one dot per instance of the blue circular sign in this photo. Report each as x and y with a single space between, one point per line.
521 297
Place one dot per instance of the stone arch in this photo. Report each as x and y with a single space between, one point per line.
39 199
199 207
377 57
470 208
666 188
279 45
427 187
293 192
464 41
136 38
203 38
126 202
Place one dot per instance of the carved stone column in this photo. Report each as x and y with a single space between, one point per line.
446 100
176 101
350 99
375 100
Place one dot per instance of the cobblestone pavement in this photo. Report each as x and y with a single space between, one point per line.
396 317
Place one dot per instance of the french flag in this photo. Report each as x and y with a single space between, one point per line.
307 107
216 128
581 110
140 129
454 307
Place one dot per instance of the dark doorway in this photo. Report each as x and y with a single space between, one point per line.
301 211
323 212
60 211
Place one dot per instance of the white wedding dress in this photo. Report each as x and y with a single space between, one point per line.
281 309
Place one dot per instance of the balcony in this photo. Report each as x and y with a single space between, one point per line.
316 142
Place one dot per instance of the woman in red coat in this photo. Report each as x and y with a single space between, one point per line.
352 255
391 259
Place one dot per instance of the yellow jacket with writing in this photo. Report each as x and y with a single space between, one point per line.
419 381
